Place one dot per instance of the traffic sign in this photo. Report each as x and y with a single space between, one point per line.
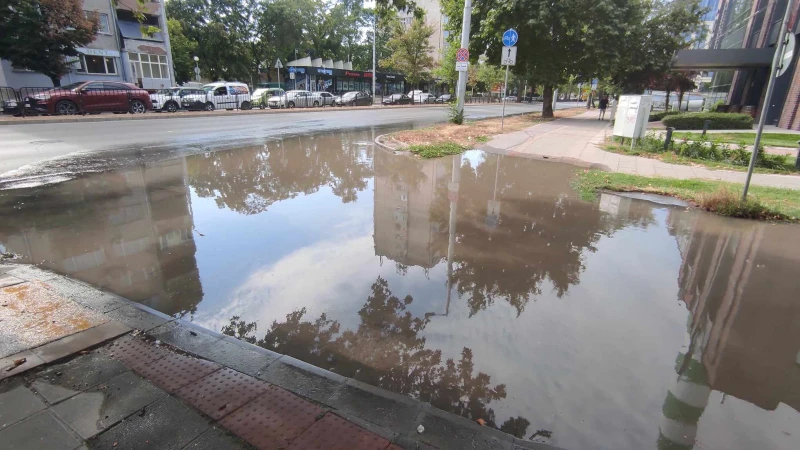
462 55
291 69
788 54
510 37
278 64
462 66
509 56
291 75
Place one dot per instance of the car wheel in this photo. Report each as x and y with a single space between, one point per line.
353 103
290 105
209 106
261 106
316 104
66 108
137 107
172 107
246 106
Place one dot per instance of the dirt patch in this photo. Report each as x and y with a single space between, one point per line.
474 132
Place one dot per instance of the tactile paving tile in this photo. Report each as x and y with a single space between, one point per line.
222 392
135 353
335 433
175 371
273 419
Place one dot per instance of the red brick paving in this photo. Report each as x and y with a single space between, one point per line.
335 433
222 392
266 416
176 371
273 419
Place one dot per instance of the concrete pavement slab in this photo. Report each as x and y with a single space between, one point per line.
184 337
99 408
9 365
79 341
136 318
381 407
217 438
335 433
452 432
39 432
9 280
17 402
166 424
303 379
239 355
59 382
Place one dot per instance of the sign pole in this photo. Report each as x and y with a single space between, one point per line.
505 94
462 76
768 97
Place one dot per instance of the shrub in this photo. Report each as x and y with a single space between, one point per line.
719 121
455 116
657 116
728 203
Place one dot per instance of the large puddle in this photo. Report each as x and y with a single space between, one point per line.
478 283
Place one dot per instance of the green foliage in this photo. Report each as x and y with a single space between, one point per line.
446 69
723 198
719 121
182 52
658 116
437 150
454 115
43 35
411 51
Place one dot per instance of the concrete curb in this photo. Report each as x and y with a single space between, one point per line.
353 400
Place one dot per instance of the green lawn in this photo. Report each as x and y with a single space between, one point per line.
767 139
437 150
723 198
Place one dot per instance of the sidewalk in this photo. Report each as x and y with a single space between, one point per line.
85 369
576 140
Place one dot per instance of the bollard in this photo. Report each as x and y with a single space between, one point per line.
668 138
706 124
797 161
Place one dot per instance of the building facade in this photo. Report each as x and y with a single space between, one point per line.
436 20
120 51
337 77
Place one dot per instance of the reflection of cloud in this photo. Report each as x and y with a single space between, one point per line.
335 273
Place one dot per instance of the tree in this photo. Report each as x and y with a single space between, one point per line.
44 35
490 76
411 51
182 51
446 70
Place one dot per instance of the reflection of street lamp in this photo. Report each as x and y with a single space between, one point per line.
196 68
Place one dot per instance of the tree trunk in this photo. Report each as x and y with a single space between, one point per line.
547 101
666 100
56 81
680 100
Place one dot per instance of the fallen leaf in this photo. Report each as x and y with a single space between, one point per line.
17 363
481 422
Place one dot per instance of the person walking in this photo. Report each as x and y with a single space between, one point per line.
603 106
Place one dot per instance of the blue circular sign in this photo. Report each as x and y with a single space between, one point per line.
510 37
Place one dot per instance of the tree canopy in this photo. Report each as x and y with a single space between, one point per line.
411 51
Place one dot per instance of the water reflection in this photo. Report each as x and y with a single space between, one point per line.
479 283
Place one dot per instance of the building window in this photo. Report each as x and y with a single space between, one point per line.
102 20
149 66
101 65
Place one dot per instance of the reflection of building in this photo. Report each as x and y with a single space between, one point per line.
129 232
738 282
404 228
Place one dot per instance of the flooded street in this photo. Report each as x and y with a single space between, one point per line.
479 283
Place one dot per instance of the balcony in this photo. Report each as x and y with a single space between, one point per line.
152 8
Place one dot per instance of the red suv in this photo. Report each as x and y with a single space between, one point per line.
89 97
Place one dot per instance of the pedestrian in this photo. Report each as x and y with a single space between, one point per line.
603 106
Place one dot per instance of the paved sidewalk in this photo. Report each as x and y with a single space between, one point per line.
577 140
95 371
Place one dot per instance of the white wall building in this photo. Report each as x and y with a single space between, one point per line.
434 18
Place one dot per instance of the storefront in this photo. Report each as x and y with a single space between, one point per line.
340 80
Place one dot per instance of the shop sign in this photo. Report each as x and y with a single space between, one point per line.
325 71
347 73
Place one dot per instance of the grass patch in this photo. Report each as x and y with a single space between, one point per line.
767 139
709 154
763 203
428 151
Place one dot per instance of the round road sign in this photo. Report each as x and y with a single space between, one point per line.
462 55
510 37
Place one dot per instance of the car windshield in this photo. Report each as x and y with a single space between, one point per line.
349 95
210 87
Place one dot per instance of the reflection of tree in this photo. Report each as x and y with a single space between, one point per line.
386 351
541 231
249 180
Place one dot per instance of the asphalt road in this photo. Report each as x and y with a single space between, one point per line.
27 150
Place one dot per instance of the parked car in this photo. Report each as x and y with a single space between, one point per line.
261 96
175 98
298 99
325 98
227 95
414 93
445 98
510 98
397 99
424 98
354 98
90 97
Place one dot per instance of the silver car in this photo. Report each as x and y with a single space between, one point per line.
325 98
301 99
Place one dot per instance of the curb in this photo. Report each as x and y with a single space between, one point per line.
351 399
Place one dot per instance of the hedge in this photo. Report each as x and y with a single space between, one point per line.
719 121
657 116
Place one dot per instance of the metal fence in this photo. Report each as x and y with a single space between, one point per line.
64 101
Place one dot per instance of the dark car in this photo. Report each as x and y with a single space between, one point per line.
354 98
89 97
397 99
445 98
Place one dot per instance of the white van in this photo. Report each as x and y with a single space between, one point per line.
227 95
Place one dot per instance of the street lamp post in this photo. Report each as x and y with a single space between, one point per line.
196 68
